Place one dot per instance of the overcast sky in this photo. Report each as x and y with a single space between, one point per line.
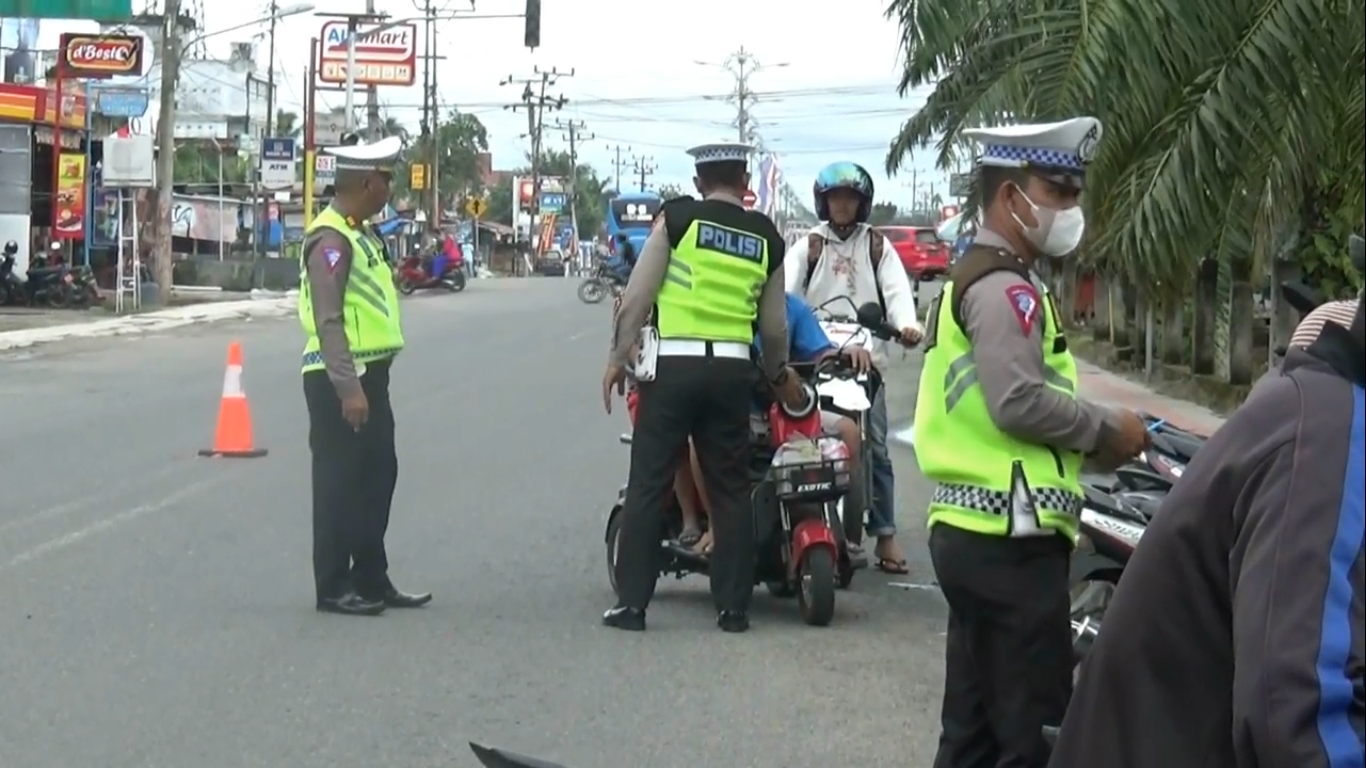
826 88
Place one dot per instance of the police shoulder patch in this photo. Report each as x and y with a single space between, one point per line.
333 258
1024 301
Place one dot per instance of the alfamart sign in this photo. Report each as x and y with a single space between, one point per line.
384 56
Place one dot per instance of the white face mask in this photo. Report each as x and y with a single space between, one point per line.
1059 231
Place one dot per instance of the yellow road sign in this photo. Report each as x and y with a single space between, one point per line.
476 207
417 176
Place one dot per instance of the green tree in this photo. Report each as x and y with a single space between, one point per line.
670 191
287 124
457 144
882 213
1220 115
197 162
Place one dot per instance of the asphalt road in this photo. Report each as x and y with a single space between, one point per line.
158 608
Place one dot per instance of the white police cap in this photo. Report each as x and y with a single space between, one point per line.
721 152
379 156
1063 148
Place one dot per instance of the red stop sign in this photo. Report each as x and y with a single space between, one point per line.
750 199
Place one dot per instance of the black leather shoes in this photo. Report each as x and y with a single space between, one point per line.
396 599
621 617
733 621
351 604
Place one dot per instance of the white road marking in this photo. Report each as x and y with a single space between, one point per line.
57 510
905 435
108 523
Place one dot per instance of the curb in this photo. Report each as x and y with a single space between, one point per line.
149 322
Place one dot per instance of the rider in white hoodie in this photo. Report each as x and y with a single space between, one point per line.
844 256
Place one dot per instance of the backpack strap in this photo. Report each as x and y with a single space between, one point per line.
875 249
815 246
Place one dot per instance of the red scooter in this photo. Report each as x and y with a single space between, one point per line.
799 478
415 274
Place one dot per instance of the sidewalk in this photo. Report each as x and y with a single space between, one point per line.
1102 386
1097 385
151 322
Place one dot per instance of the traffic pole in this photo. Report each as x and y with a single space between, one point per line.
310 128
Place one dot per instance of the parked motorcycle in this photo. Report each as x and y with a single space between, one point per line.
1110 528
415 274
601 284
48 286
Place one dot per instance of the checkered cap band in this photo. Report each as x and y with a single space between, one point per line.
721 155
1027 156
998 502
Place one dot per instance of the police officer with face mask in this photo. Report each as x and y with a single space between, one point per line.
1000 427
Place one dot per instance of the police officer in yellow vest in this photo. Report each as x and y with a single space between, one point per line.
712 271
1002 430
349 310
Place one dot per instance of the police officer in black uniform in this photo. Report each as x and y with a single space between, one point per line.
701 269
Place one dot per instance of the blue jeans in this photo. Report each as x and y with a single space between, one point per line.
881 514
439 266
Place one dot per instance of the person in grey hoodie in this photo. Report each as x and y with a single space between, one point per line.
1235 638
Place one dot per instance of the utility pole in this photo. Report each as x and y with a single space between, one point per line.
643 169
261 236
536 102
741 65
574 134
431 124
372 120
617 165
170 71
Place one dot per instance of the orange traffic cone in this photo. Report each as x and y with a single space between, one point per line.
232 439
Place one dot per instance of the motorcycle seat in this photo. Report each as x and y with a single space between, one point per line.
1182 444
1142 479
1099 498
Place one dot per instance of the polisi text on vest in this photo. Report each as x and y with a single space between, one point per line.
730 242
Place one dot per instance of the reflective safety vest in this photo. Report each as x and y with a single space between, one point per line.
988 481
370 307
711 290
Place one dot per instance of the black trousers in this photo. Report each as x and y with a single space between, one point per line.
708 399
1008 660
354 474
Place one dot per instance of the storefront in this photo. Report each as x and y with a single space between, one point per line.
38 204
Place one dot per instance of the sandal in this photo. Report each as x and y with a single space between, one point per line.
895 567
689 537
703 546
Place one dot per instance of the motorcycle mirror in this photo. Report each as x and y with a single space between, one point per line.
1300 297
870 315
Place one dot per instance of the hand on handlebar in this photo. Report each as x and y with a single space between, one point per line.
858 358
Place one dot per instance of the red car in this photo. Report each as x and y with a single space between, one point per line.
921 252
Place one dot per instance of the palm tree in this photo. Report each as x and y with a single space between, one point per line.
392 127
1223 119
287 124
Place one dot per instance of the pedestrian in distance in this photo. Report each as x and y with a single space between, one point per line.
349 309
701 269
1002 430
1236 637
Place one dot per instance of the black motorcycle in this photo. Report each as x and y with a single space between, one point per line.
601 284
